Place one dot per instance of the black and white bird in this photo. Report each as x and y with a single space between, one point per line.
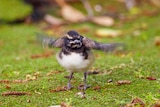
76 52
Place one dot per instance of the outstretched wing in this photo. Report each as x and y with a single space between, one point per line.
107 47
47 41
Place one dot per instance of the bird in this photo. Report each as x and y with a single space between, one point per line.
76 53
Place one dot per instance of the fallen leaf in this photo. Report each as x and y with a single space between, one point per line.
37 74
135 102
15 93
59 89
67 76
97 88
103 20
19 81
5 81
92 72
43 55
53 72
121 82
108 33
157 104
8 86
151 78
63 104
13 81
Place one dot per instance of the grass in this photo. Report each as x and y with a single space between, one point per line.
18 44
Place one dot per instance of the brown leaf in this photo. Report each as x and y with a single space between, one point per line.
63 104
43 55
157 104
103 20
8 86
138 101
53 72
13 81
97 88
19 81
92 72
5 81
37 74
121 82
15 93
59 89
67 76
135 102
151 78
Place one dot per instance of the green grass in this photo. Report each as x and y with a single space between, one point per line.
18 44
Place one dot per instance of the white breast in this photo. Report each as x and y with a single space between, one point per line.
75 62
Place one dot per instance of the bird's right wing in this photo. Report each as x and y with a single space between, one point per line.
47 41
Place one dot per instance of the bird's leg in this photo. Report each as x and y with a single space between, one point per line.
85 81
69 86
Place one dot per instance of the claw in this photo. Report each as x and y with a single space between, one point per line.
69 86
83 87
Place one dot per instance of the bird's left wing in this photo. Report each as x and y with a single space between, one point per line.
106 47
47 41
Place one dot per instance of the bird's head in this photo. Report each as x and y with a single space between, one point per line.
73 40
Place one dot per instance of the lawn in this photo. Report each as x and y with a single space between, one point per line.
26 67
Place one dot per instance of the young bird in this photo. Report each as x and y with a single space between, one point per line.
75 54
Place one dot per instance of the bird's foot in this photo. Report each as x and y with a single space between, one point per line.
83 87
69 87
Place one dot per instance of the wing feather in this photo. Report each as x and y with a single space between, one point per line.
107 47
48 41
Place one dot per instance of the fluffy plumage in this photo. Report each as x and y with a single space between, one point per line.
75 54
